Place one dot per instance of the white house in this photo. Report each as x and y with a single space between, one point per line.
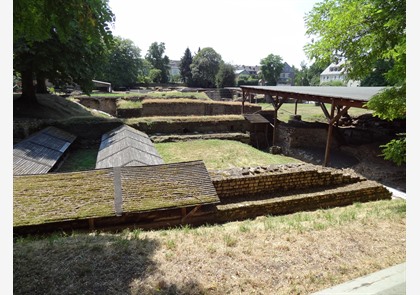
336 72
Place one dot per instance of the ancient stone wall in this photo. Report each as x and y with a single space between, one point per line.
195 109
275 178
168 127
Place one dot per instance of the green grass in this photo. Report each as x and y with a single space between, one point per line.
155 94
54 107
309 111
128 104
171 119
219 154
79 160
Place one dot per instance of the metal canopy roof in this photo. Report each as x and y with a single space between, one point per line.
353 96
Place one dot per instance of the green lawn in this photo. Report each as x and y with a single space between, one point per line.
309 111
219 154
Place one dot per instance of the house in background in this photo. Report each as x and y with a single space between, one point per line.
336 72
246 70
287 76
174 67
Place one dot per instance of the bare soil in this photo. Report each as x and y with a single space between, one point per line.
365 160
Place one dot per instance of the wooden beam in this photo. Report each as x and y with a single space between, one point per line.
330 128
196 208
325 111
243 101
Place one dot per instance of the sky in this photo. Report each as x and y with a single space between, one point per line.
241 31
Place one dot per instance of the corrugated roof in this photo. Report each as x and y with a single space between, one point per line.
38 153
126 146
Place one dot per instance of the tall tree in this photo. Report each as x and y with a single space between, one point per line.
363 33
155 55
204 67
271 67
225 77
184 67
123 64
55 39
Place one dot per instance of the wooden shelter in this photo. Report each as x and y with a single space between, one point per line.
40 152
340 98
113 197
126 146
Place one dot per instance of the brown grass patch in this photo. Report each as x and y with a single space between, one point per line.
294 254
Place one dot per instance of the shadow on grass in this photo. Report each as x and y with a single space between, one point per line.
89 264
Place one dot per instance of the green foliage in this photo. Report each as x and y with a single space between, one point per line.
184 67
395 150
63 42
271 67
156 75
333 83
365 33
378 75
389 104
123 64
155 56
310 76
204 67
247 80
225 76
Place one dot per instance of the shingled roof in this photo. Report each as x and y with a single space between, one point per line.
57 197
126 146
38 153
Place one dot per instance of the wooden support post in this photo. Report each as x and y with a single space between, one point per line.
296 102
243 102
330 128
91 223
192 212
276 103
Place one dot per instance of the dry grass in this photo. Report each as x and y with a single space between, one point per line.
170 119
294 254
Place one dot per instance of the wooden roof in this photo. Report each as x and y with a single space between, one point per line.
38 153
57 197
256 119
126 146
344 96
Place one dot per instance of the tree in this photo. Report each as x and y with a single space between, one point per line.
59 42
364 33
184 67
123 64
204 67
301 77
155 55
271 67
225 77
377 75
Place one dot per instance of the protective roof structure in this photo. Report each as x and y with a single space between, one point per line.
39 153
126 146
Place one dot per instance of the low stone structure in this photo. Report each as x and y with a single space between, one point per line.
196 108
158 196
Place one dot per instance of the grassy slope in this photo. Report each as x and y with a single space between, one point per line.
54 107
219 154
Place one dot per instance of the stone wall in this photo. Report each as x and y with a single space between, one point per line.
359 192
195 109
168 127
278 178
